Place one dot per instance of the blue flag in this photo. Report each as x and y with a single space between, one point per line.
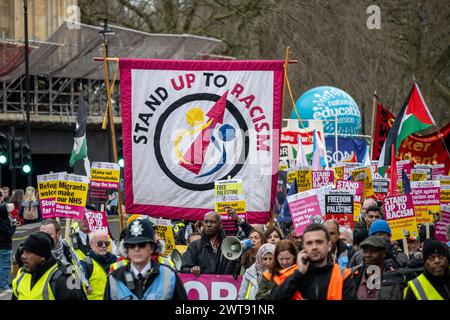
285 214
406 183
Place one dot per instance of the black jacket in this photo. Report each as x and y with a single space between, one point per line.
59 283
104 261
442 286
119 274
7 229
313 285
200 253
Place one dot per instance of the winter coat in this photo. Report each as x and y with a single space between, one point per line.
249 284
7 228
200 253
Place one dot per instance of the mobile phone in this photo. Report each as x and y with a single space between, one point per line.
305 260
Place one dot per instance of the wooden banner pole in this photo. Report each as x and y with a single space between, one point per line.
111 124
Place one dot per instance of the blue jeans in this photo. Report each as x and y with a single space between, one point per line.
5 268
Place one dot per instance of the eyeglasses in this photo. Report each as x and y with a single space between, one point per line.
103 243
139 245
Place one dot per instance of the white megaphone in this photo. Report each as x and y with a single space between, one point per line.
175 256
232 248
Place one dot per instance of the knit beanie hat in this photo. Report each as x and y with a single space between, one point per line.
39 243
380 226
434 247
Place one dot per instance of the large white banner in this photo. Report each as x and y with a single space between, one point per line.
187 124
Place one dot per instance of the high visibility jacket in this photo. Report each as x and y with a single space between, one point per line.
118 264
422 289
336 284
281 276
97 280
162 287
41 289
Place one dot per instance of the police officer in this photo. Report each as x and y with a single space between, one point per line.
42 277
143 278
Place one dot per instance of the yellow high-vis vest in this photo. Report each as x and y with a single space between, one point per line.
97 280
423 289
40 291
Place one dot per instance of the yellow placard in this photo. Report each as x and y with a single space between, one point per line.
338 173
72 193
105 175
228 189
47 189
421 176
229 193
304 181
445 194
368 184
291 175
238 206
401 226
357 211
166 233
445 181
424 214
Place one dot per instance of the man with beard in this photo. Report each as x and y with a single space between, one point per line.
317 277
205 255
434 282
42 277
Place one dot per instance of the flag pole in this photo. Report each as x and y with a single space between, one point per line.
372 130
286 63
111 125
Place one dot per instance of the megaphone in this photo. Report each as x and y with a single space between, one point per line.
175 256
232 248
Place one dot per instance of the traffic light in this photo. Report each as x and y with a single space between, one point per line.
4 146
26 158
16 152
120 152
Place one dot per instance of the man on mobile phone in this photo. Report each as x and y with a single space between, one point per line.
317 277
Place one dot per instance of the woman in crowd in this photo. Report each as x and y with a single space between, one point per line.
283 265
249 257
16 199
252 276
29 210
273 235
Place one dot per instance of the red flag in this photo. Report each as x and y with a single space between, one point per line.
393 184
383 123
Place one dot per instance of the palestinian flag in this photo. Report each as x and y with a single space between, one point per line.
414 116
79 150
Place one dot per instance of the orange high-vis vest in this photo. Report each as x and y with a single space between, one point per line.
336 283
281 276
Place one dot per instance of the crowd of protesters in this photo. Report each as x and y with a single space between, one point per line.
326 262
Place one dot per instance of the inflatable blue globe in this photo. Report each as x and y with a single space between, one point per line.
323 103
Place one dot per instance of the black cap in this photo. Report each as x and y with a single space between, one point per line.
375 242
140 231
39 243
431 246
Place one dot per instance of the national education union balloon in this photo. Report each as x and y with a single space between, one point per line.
324 103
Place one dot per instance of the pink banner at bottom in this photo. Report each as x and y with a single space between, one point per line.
211 286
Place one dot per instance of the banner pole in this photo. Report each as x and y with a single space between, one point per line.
372 130
283 100
336 134
111 125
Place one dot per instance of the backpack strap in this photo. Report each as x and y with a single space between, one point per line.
90 266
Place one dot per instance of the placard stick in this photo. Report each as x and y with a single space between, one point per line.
111 125
67 233
405 247
427 228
